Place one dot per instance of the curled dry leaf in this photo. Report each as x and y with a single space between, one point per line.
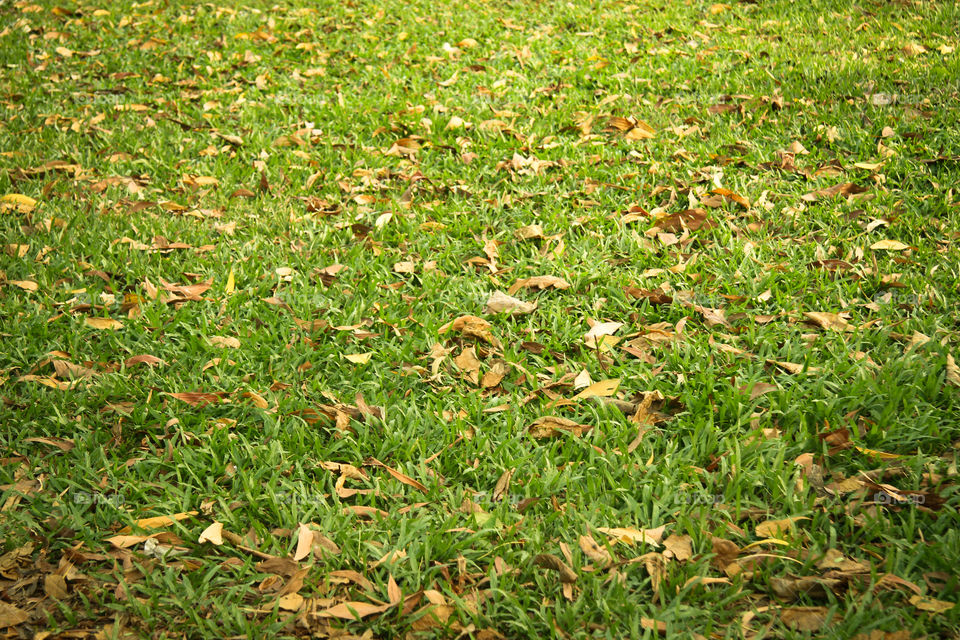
145 358
471 327
602 389
953 371
26 285
593 550
550 561
499 302
553 426
158 522
212 534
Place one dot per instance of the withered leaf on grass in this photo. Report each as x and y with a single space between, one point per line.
889 245
228 342
550 561
539 282
603 389
691 219
830 321
198 398
629 535
776 528
553 426
212 534
102 323
142 359
953 371
499 302
932 605
158 522
846 189
471 327
593 550
804 618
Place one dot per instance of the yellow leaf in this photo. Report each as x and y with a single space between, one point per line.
773 528
18 201
158 522
231 283
929 604
359 358
883 455
102 323
26 285
603 389
889 245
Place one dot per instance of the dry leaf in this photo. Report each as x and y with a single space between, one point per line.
925 603
776 528
158 522
228 342
539 282
552 426
630 535
212 534
550 561
889 245
499 302
359 358
830 321
102 323
603 389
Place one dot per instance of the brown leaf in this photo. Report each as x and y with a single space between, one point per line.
775 528
503 484
804 618
552 426
592 549
829 321
691 219
102 323
953 371
550 561
678 547
228 342
471 327
925 603
353 610
402 477
142 359
845 189
197 398
304 542
499 302
11 616
629 535
539 282
158 522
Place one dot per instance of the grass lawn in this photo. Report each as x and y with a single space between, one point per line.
479 319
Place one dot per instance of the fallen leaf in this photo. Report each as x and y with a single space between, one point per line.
592 549
830 321
603 389
550 561
228 342
304 542
776 528
539 282
630 535
471 327
11 616
26 285
142 359
953 371
213 534
158 522
102 323
925 603
552 426
804 618
353 610
499 302
358 358
889 245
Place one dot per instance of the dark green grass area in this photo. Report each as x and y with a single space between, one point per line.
303 182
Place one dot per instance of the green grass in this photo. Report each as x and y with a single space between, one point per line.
302 106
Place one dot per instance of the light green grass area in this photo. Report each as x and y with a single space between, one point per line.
245 282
